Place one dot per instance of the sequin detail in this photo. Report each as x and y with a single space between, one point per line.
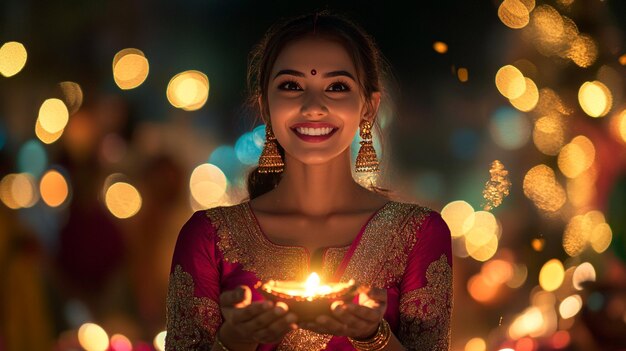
425 312
192 322
332 260
241 241
304 340
381 257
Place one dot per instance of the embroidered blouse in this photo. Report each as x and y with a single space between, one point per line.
403 248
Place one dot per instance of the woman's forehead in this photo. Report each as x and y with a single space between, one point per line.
319 54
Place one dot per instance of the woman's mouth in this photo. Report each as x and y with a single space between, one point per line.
314 134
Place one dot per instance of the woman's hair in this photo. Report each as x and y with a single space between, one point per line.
371 69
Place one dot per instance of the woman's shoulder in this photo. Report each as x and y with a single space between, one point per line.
205 222
421 218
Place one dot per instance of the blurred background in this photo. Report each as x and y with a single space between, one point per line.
118 119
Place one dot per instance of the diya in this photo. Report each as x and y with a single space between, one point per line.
308 299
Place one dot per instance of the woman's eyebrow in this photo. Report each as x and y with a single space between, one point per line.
326 75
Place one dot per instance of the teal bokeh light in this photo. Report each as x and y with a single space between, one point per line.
226 159
32 158
509 128
247 149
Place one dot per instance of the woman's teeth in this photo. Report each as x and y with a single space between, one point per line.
314 131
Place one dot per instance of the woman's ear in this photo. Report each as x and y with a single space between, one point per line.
371 106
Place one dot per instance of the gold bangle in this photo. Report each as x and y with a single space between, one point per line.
219 342
376 342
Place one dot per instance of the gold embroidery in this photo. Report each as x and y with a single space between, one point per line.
304 340
381 256
242 242
379 259
334 256
191 321
425 312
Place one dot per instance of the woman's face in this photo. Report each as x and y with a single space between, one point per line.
314 100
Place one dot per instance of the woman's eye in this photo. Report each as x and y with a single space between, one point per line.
289 85
338 86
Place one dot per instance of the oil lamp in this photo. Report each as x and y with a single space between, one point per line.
310 298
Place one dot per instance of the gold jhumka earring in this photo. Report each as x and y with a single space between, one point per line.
366 160
270 160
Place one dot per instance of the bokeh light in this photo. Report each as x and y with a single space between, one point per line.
440 47
92 337
53 188
560 339
6 191
513 13
601 237
188 90
528 100
551 275
32 158
618 126
583 273
12 58
548 134
72 96
538 244
570 306
24 190
459 216
53 115
551 103
520 274
207 184
45 136
247 149
476 344
595 98
481 289
509 128
530 322
541 186
130 68
463 74
159 341
576 157
123 200
583 51
576 235
510 82
120 342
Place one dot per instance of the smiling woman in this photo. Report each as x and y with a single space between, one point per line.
316 80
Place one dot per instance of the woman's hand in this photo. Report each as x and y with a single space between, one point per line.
356 321
247 322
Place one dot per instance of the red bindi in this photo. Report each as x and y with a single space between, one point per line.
313 72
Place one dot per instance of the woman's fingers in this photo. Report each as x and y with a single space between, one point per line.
370 315
284 323
250 312
342 314
238 297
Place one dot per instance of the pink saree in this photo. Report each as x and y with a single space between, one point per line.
404 248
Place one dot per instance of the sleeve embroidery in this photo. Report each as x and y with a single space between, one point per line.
425 312
192 322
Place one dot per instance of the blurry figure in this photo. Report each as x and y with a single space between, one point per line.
25 316
150 235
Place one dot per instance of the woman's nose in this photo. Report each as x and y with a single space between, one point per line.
314 105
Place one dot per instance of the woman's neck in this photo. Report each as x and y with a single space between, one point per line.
318 190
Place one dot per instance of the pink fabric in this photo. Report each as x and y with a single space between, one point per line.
196 251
